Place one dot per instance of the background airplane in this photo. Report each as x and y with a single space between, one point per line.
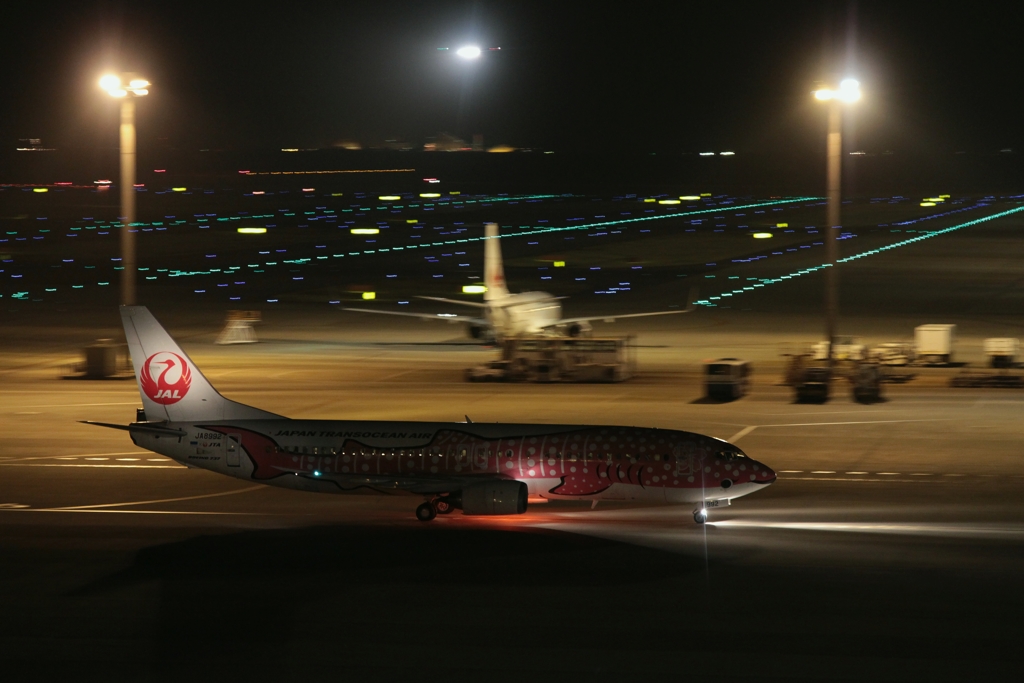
482 469
504 314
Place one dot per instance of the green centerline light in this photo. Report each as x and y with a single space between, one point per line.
869 252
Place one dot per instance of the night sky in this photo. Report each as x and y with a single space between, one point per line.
667 77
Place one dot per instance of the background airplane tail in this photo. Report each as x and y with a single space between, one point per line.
171 386
494 270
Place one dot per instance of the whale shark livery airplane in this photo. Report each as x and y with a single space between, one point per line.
504 314
481 469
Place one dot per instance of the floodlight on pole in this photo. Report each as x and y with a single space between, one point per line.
137 87
847 92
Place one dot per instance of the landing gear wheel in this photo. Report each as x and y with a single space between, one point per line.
442 506
700 516
426 512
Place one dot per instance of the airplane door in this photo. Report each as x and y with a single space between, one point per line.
480 453
231 449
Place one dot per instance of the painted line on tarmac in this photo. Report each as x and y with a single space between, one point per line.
862 479
76 455
742 433
856 422
56 464
163 500
992 531
142 512
78 405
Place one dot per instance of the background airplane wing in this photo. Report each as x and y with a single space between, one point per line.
690 306
609 318
444 317
475 304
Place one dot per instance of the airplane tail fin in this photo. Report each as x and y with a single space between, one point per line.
171 386
494 271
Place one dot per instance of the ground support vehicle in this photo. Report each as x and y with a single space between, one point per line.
560 359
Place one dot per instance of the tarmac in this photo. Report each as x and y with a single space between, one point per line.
889 548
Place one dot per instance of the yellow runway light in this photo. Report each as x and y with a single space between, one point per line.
705 194
927 203
369 295
650 200
473 289
559 264
40 189
762 235
668 201
411 220
690 198
179 189
430 195
782 225
365 231
388 197
252 231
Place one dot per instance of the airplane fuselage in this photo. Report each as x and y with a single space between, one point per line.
554 461
524 313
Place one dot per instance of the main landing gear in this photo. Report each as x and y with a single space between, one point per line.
432 508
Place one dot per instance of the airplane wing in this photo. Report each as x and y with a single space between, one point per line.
690 306
609 318
444 317
475 304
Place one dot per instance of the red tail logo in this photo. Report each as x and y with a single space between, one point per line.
166 378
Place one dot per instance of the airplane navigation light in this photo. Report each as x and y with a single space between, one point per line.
468 52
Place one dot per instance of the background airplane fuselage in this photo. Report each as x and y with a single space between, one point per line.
554 461
522 314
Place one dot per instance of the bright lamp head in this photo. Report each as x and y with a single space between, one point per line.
468 52
849 91
110 82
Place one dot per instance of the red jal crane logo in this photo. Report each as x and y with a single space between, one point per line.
166 378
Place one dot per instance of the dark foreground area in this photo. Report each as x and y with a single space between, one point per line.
361 595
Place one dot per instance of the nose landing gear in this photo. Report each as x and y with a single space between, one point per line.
700 516
426 512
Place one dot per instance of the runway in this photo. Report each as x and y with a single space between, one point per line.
889 548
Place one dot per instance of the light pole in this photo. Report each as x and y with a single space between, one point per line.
136 87
848 91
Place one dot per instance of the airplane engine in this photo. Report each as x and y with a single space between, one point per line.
579 330
495 498
481 333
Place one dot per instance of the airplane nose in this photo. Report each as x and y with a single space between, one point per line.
764 475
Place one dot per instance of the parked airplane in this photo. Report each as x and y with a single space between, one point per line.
503 314
482 469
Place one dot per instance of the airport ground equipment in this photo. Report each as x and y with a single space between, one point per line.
1002 351
933 344
847 348
866 381
103 359
811 379
560 359
980 380
892 354
727 379
238 328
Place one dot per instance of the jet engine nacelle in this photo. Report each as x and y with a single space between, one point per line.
495 498
481 333
579 330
